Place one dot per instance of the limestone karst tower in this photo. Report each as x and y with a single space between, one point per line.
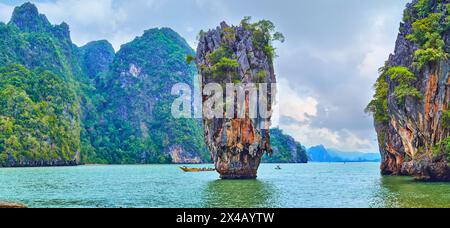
238 55
412 99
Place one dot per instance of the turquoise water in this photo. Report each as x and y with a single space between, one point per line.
296 185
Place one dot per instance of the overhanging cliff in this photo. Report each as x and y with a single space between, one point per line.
412 95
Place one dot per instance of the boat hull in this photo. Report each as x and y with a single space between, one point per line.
196 170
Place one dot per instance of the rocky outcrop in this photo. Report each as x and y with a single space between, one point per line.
27 19
285 149
410 111
9 205
232 54
97 57
139 100
121 103
181 156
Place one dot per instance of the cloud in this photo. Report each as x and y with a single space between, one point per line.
294 106
295 114
378 44
88 20
310 136
5 12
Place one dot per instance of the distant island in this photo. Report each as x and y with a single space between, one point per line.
285 149
322 154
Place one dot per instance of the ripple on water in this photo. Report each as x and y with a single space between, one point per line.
296 185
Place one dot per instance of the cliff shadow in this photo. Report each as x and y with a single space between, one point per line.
404 192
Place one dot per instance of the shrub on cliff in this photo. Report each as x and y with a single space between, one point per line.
428 35
404 88
379 104
405 79
442 149
264 35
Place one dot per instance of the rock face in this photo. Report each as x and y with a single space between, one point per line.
285 149
9 205
28 19
39 107
138 102
410 107
231 55
97 57
95 106
180 156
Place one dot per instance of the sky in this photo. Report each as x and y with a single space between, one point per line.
326 68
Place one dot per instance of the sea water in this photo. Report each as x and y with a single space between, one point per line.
314 185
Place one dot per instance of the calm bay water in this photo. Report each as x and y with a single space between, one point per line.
296 185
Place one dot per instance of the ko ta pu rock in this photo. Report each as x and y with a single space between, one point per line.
411 104
240 55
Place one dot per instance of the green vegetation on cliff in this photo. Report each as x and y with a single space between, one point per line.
404 88
114 109
286 149
264 35
222 59
413 128
379 105
39 118
222 64
405 79
428 29
61 104
39 102
135 124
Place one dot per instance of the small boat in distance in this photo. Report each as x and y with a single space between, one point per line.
186 169
278 167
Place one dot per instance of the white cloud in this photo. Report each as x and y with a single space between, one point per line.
301 111
310 136
84 13
292 105
352 142
5 12
100 16
378 42
373 60
343 139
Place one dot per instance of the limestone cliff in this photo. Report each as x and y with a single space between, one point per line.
412 95
285 149
61 104
139 100
239 55
40 113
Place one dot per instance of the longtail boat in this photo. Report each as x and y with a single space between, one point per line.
186 169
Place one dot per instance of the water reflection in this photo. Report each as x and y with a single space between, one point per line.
404 192
239 193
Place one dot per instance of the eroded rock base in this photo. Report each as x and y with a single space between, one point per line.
428 170
9 205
